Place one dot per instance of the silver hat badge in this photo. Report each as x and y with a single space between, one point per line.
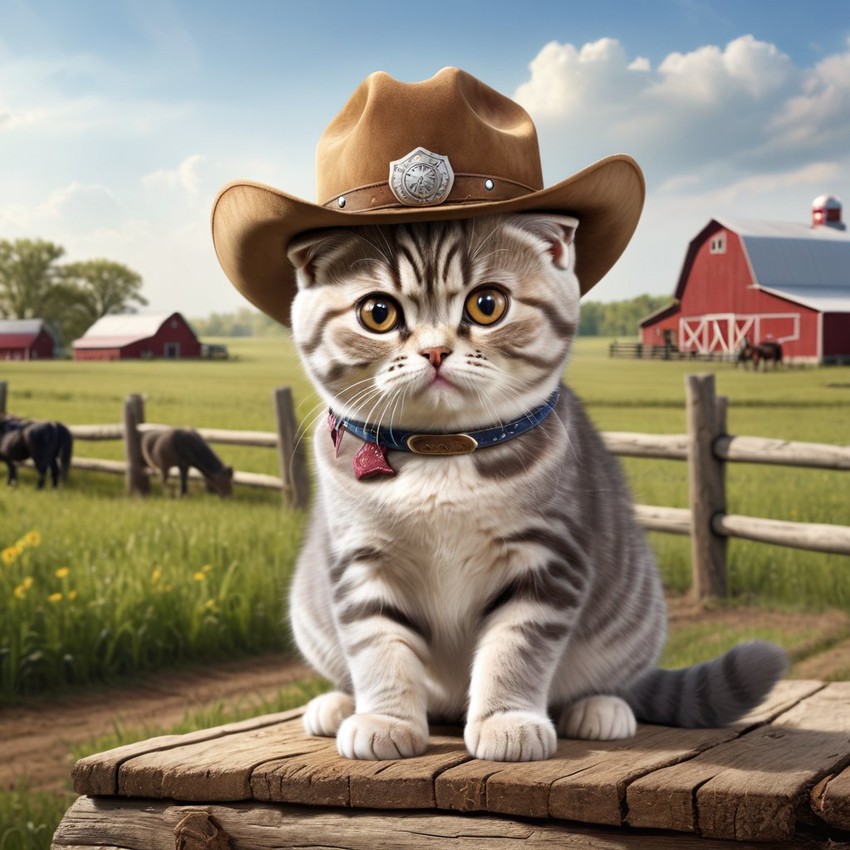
421 178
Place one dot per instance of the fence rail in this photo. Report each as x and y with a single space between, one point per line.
706 447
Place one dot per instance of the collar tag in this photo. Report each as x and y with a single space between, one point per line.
441 444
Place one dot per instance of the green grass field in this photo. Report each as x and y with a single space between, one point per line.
116 585
95 586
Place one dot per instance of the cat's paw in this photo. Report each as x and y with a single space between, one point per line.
379 736
511 736
597 718
324 714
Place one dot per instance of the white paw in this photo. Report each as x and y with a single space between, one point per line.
379 736
511 736
599 718
325 713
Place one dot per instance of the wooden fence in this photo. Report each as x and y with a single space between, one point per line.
706 447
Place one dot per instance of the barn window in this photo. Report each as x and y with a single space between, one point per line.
718 244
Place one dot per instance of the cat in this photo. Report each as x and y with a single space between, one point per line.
507 588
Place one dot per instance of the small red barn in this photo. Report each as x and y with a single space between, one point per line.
134 335
25 339
763 280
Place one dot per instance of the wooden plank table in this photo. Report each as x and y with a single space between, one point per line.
779 778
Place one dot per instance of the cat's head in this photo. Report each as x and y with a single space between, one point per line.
437 325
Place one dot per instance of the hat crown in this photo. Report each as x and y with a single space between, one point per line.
453 114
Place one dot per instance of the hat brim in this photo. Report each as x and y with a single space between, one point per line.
253 224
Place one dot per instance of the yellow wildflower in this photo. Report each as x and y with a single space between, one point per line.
32 538
156 575
62 572
209 604
28 582
10 555
207 568
72 595
20 591
54 597
199 576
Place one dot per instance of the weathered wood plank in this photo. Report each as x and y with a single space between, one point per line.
830 800
215 769
664 799
325 778
98 774
586 781
96 824
751 788
759 786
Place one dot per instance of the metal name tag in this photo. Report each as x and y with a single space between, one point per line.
422 178
441 444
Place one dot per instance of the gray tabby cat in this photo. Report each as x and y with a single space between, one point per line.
508 588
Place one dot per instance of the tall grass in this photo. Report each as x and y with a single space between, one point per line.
95 586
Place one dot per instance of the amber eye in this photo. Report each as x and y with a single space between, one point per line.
379 313
486 305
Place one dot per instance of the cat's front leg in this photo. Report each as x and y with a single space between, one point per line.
386 650
521 644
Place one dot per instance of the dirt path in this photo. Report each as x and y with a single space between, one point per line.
35 739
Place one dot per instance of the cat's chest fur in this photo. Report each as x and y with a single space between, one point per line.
440 523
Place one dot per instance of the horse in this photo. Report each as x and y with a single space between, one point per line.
760 354
770 351
185 447
49 444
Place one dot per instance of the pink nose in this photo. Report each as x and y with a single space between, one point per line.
435 355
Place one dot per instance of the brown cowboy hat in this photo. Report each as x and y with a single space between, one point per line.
447 148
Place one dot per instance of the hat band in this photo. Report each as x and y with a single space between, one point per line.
467 189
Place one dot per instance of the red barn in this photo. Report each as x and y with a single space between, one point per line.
25 339
133 336
763 280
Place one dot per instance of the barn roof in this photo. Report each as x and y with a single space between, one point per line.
19 333
124 329
807 265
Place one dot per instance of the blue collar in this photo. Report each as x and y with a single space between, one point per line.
431 443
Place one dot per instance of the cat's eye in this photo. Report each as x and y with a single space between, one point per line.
379 313
486 305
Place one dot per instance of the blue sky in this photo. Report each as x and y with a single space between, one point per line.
119 121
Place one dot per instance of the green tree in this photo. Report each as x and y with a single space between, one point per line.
108 287
28 275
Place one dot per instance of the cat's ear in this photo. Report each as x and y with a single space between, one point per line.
302 252
557 230
311 252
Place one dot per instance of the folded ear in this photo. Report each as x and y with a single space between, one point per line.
303 251
556 230
312 252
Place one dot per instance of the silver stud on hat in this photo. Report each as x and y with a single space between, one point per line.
489 185
341 202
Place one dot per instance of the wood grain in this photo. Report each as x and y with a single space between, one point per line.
93 824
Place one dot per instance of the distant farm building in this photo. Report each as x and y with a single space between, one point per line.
134 336
786 282
25 339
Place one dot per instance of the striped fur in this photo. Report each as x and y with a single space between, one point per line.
509 589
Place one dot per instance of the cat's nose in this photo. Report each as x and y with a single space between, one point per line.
436 355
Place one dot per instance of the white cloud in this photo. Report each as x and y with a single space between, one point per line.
184 176
75 208
734 130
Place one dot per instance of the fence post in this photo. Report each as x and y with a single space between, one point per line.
3 388
137 479
707 485
293 461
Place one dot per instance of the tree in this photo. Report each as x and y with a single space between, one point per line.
28 275
108 287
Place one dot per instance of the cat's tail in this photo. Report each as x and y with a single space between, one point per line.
714 693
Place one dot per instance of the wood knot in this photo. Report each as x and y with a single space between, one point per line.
199 831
